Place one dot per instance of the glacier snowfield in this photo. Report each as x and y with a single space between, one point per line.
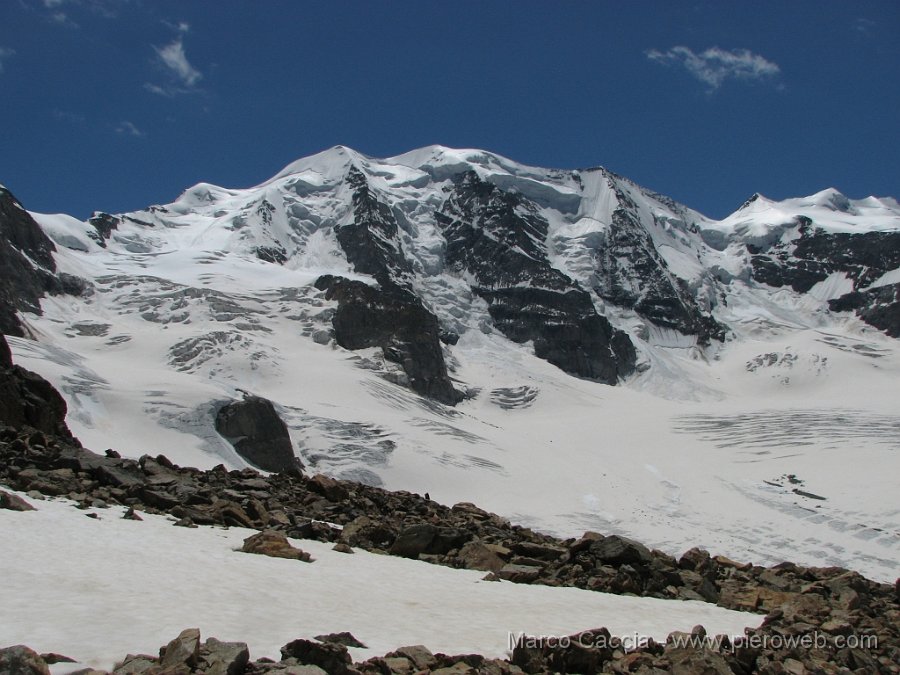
782 443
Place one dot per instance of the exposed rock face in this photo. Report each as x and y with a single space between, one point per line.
371 241
631 273
27 268
28 399
811 257
397 321
879 307
26 264
808 259
499 238
104 224
258 434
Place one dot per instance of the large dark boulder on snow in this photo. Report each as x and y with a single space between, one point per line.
258 434
395 320
28 399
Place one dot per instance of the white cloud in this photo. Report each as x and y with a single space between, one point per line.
5 53
182 75
863 25
715 65
126 128
68 116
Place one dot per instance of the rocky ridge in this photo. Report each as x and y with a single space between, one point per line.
27 267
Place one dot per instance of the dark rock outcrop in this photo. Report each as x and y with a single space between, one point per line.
397 321
879 307
258 434
499 238
815 254
104 224
28 399
27 268
371 241
631 273
333 658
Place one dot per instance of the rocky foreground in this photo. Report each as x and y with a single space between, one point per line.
818 620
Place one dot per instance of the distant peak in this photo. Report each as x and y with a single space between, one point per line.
755 197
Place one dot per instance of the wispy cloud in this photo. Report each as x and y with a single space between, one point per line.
5 53
863 25
58 11
127 128
68 116
182 76
715 65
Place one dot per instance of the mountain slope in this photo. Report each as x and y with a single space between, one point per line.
446 320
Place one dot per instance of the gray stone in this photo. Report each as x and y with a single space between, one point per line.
225 658
20 660
183 650
618 550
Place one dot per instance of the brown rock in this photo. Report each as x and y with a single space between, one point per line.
477 556
182 651
20 660
333 658
14 502
275 545
137 664
420 656
224 658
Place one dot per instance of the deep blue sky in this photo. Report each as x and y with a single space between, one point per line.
114 104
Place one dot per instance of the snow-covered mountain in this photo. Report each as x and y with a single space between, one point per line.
449 321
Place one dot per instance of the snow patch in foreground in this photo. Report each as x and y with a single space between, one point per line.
96 590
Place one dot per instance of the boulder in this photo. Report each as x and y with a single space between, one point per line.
521 574
414 540
28 399
224 658
333 490
14 502
20 660
137 664
182 651
616 550
332 658
365 532
343 638
258 434
420 656
476 556
274 545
